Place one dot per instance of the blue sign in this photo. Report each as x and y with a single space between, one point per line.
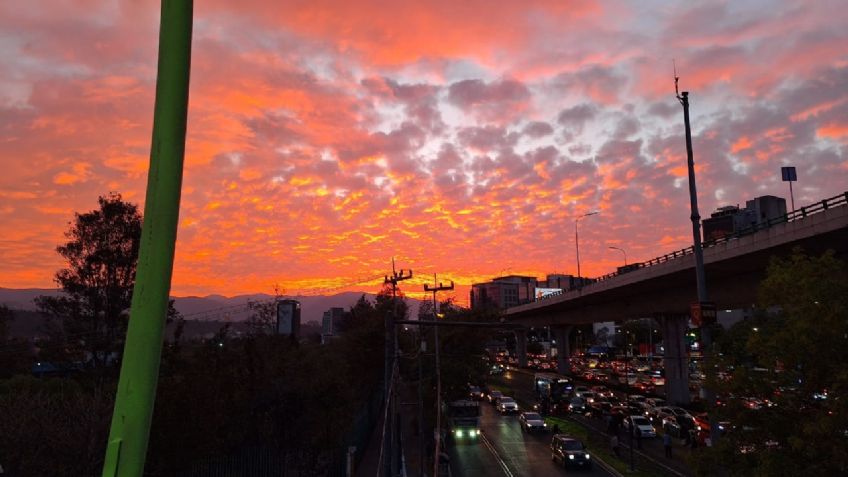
788 174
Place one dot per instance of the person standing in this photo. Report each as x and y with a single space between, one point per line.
667 444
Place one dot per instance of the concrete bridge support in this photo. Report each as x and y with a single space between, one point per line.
521 347
562 336
676 358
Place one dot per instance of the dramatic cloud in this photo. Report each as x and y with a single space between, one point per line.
461 138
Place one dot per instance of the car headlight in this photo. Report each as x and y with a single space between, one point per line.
459 433
472 432
570 456
544 424
588 456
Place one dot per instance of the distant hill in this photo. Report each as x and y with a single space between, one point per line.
212 307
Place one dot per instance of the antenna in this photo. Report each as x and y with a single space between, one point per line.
676 78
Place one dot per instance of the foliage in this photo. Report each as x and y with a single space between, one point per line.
101 254
6 316
791 353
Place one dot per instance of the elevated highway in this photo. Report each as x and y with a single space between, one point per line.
664 288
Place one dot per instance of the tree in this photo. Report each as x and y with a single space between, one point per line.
787 392
102 253
6 316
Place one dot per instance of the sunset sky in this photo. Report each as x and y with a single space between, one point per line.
461 137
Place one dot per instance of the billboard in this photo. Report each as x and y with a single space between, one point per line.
288 317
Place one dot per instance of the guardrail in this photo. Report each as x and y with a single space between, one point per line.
798 214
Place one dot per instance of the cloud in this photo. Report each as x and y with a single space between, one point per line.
325 138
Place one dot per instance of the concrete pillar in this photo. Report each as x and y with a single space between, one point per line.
563 347
521 347
676 359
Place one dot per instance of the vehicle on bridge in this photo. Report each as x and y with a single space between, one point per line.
462 418
552 391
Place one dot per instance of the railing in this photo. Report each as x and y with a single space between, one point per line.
798 214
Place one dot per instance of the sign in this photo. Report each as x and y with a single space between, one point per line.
789 174
703 313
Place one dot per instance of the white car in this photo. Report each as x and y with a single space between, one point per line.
507 405
640 426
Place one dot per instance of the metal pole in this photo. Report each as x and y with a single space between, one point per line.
130 430
622 251
706 332
791 196
577 246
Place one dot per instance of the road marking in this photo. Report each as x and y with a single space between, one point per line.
498 458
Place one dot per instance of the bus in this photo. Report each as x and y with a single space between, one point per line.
552 392
462 420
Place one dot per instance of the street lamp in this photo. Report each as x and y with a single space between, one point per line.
577 245
622 251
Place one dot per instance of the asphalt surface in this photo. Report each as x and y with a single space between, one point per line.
505 450
522 382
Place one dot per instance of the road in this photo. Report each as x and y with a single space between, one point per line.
522 383
507 451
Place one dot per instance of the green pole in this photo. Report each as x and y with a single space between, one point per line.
127 446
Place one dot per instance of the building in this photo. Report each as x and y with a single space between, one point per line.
503 292
330 323
730 219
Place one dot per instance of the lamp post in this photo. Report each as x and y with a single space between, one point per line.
577 245
622 251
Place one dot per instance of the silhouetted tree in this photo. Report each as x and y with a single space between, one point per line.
792 354
102 253
6 316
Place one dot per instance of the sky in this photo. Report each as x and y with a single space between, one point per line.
462 138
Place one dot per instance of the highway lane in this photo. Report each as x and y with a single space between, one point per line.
522 383
506 450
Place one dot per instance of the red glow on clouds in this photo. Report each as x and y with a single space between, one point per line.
462 138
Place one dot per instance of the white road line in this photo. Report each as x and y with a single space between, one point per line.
498 458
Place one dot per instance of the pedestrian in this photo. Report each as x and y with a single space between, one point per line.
555 430
667 444
614 444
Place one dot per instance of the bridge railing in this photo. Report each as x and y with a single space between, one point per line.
798 214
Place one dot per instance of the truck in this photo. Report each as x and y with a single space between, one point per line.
462 420
552 393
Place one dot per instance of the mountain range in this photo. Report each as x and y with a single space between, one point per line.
214 307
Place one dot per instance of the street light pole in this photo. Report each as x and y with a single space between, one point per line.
577 245
622 251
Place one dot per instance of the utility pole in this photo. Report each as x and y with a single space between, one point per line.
391 450
700 277
438 433
126 448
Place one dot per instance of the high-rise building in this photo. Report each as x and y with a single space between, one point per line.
731 219
330 323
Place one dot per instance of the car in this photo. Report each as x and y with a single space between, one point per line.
579 390
570 452
494 396
589 396
496 369
639 426
475 393
657 378
636 398
506 405
678 426
577 404
532 421
602 391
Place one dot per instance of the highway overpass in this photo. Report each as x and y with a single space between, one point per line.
664 288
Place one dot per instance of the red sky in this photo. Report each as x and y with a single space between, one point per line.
463 138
